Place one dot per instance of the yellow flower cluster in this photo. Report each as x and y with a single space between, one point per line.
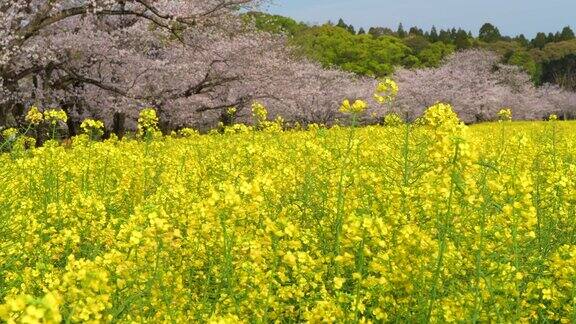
355 108
260 115
440 116
386 91
14 142
148 123
9 134
53 116
93 128
30 310
428 222
188 132
259 112
505 114
393 119
34 116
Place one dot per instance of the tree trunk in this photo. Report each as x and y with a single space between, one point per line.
10 111
7 118
118 126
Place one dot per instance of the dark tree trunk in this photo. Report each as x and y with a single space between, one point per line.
10 111
118 126
226 118
73 127
7 117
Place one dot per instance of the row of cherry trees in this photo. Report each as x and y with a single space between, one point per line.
194 59
478 86
190 59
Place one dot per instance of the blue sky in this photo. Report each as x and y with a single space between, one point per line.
511 16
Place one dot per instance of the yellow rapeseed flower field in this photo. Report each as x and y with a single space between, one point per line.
430 222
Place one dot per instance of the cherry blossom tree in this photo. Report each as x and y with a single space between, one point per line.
191 60
562 101
478 86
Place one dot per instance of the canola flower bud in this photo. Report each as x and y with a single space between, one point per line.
355 108
34 116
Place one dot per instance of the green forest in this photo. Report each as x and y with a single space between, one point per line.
548 58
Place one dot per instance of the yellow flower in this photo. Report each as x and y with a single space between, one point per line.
324 225
440 115
259 112
386 91
393 119
188 132
34 116
94 128
338 282
9 134
547 294
54 116
505 114
148 122
32 310
290 259
357 107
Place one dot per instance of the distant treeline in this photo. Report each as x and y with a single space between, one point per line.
548 58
